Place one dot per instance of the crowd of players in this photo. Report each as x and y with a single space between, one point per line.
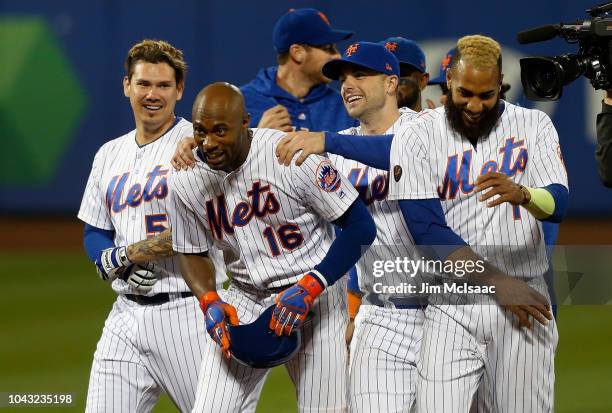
474 177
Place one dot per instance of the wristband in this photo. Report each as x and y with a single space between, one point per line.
354 302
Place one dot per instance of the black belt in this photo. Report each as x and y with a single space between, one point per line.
157 299
404 303
254 290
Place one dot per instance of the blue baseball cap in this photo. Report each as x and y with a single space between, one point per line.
446 62
305 26
407 52
369 55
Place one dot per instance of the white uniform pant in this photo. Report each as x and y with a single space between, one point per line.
146 350
465 346
383 357
318 371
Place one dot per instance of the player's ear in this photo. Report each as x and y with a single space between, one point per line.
449 78
179 89
126 87
246 120
392 84
297 53
424 81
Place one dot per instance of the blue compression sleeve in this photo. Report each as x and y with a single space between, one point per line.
426 222
561 196
353 281
96 239
358 231
373 151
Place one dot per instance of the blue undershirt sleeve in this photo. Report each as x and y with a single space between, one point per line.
373 151
96 239
561 196
353 281
358 232
426 222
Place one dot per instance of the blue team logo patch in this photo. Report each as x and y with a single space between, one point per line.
328 177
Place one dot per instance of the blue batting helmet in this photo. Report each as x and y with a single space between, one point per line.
255 345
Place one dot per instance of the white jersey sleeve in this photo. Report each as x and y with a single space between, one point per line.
320 185
547 166
187 219
411 173
93 209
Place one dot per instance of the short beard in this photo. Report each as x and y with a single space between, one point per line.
409 100
454 114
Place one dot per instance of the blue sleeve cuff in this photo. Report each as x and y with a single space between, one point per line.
95 240
373 151
358 232
561 196
353 281
427 224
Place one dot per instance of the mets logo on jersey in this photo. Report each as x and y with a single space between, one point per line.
328 177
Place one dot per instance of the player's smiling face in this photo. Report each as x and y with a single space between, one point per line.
474 91
221 136
473 99
364 91
153 94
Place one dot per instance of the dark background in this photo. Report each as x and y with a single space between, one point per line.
230 41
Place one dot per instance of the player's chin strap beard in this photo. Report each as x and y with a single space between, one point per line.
488 120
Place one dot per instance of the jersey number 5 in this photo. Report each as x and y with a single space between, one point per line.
155 224
289 236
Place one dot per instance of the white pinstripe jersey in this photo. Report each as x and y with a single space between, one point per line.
276 217
436 162
392 236
127 192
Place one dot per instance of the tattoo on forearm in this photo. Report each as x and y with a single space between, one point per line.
151 249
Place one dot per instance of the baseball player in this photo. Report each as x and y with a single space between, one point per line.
278 220
413 73
387 326
513 154
152 340
294 95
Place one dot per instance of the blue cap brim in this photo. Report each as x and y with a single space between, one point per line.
410 65
333 36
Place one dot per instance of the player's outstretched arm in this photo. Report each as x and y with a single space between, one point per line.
151 249
198 271
426 222
370 150
293 304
